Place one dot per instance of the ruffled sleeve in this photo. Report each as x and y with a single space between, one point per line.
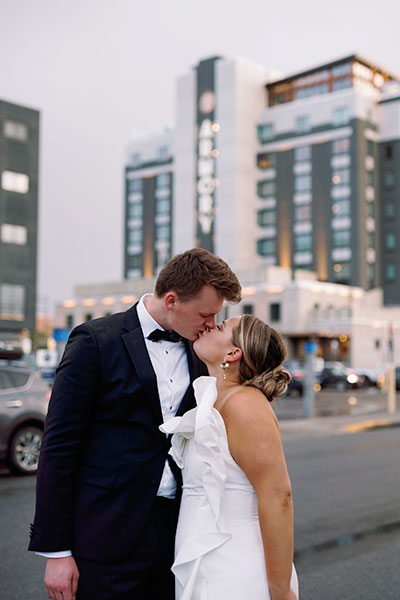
207 530
182 429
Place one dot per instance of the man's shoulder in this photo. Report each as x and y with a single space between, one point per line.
109 324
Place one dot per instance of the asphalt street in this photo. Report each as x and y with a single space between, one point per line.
347 507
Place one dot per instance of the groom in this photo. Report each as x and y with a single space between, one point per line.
107 496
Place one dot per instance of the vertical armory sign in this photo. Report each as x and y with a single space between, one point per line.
206 153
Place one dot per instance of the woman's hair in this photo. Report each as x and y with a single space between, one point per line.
263 352
188 272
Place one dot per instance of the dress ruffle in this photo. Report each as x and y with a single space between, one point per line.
207 529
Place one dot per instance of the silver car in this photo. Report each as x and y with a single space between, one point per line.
24 397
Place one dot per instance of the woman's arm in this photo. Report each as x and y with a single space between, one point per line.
255 444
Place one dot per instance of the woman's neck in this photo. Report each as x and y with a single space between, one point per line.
224 385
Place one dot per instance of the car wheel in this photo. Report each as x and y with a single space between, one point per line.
24 448
341 386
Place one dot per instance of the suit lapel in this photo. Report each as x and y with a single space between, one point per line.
136 347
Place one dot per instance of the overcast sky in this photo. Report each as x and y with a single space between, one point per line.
102 70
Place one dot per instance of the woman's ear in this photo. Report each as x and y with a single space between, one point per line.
234 355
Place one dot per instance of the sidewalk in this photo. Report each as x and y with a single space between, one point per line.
318 427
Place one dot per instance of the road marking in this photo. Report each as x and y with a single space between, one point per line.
364 425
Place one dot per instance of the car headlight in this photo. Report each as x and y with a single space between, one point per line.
352 378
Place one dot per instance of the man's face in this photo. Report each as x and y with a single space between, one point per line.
191 318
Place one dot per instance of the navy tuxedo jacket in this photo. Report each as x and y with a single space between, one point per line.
102 454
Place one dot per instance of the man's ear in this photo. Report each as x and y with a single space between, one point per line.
170 300
234 355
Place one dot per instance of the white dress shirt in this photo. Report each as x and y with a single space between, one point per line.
169 361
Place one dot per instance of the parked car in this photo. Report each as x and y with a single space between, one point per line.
296 370
24 398
338 376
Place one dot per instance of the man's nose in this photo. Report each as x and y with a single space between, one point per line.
210 323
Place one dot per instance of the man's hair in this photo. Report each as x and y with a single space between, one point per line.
188 272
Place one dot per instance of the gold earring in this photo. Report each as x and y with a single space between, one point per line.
224 365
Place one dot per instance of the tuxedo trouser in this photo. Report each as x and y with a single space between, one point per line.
143 576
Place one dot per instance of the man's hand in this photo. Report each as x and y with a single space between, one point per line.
61 578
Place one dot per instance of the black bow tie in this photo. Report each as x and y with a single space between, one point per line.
159 334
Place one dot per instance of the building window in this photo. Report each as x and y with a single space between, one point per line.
388 151
342 272
341 84
15 131
266 161
15 182
135 211
12 302
266 188
163 206
370 148
390 272
135 185
341 239
266 247
303 124
302 154
14 234
371 239
390 210
370 178
377 344
88 317
302 183
265 132
388 179
390 241
341 208
370 209
303 242
163 180
341 146
371 274
341 177
69 321
135 261
248 309
275 311
266 218
135 236
303 213
162 233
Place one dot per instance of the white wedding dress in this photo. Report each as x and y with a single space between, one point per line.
219 553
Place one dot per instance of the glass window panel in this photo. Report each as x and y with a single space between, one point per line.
390 241
340 115
303 213
15 130
303 123
390 271
341 238
302 153
388 179
266 217
135 185
12 301
390 210
135 211
302 183
266 247
266 188
303 242
341 146
265 132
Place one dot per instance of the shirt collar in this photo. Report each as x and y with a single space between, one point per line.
147 323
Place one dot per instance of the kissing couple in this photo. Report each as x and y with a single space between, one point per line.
161 472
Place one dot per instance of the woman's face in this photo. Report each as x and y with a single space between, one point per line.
214 344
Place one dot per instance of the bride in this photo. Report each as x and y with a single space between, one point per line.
235 530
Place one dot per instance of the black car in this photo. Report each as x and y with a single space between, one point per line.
24 398
339 377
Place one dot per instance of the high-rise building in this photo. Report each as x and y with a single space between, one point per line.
301 172
319 172
19 166
149 180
